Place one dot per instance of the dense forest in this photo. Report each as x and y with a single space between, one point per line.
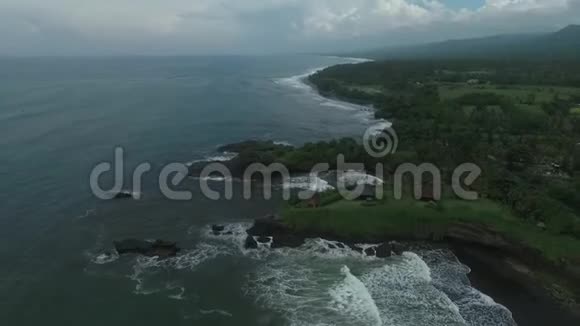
519 121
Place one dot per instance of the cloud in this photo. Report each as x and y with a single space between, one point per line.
226 26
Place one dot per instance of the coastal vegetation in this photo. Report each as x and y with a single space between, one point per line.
516 121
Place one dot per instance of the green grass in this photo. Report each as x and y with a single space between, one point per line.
519 93
409 218
575 111
367 89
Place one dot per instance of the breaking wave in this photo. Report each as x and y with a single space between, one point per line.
300 83
326 283
222 157
149 272
352 296
312 183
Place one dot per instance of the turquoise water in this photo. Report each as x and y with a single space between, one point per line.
59 117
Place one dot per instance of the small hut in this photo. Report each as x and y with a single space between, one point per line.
369 193
314 201
427 194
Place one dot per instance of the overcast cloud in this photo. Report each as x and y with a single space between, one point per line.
71 27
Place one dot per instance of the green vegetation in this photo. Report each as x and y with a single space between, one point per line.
518 121
521 94
410 217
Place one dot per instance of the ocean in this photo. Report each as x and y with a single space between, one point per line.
60 117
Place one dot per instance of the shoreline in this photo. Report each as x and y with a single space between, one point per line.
514 284
301 81
504 270
528 302
514 275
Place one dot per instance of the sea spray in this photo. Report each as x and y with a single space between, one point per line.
352 297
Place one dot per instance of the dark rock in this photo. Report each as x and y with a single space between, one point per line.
268 226
250 243
287 241
132 246
249 152
383 251
477 234
160 248
218 228
331 246
355 248
123 195
397 248
264 239
370 252
340 245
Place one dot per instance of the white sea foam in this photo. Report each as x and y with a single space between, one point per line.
450 276
283 143
222 157
336 104
214 179
352 297
353 59
106 258
380 126
405 296
88 213
99 254
325 250
311 285
180 291
352 177
147 269
216 311
300 83
312 183
232 237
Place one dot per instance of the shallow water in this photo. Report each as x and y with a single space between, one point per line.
60 117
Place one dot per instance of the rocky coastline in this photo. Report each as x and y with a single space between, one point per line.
515 275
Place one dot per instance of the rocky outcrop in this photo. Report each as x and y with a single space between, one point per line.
250 243
217 229
280 235
123 195
158 248
480 235
370 252
384 250
476 234
249 152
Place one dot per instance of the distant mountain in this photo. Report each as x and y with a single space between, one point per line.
564 44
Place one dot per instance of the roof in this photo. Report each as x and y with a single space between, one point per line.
369 191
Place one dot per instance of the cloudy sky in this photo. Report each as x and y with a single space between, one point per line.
70 27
